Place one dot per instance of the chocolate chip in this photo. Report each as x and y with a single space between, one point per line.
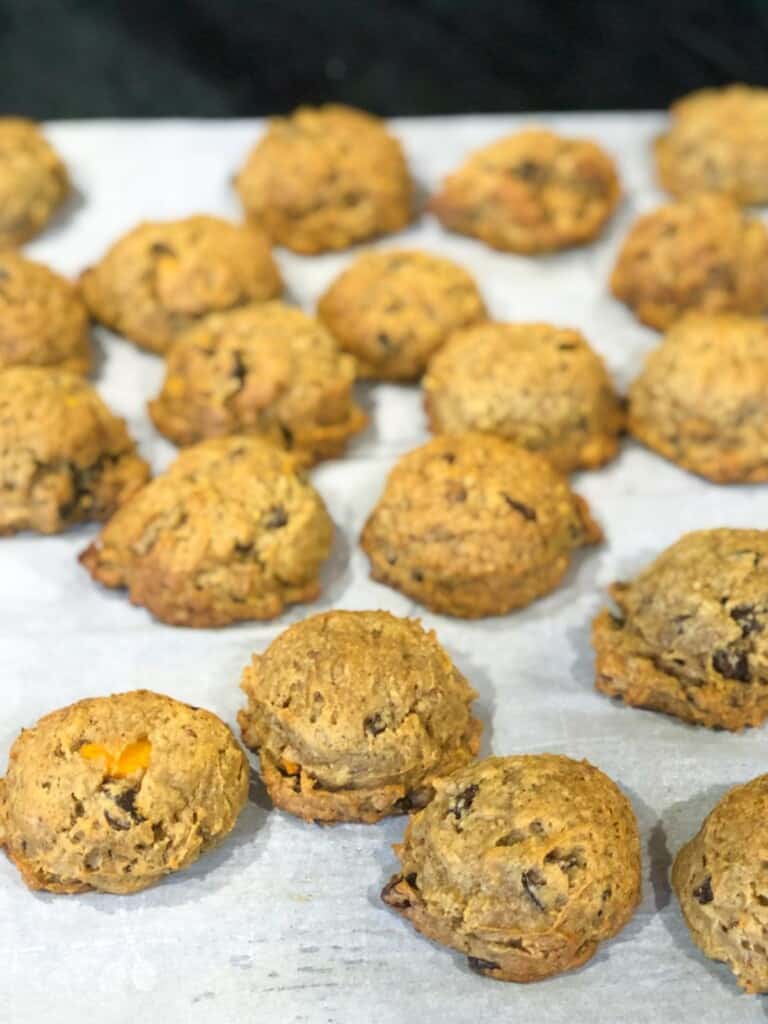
732 664
449 457
525 510
276 518
239 370
118 826
703 893
161 249
287 436
411 879
482 965
531 881
126 801
744 614
391 896
463 801
374 725
417 576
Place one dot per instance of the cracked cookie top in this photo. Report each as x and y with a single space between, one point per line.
33 180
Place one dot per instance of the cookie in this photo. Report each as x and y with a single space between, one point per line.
700 398
717 142
524 864
531 192
113 793
690 638
164 276
393 308
231 531
64 457
470 525
33 180
43 320
325 178
720 878
699 254
354 714
539 386
263 369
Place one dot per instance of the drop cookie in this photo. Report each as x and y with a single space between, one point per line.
325 178
113 793
393 308
64 457
524 864
717 142
700 398
163 276
690 638
354 714
33 180
701 254
720 878
470 525
539 386
531 192
43 319
231 531
264 369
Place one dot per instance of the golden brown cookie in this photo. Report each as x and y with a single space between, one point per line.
699 254
264 369
64 457
393 308
700 398
43 320
539 386
690 638
524 864
717 142
163 276
721 880
113 793
354 714
531 192
231 531
470 525
326 177
33 180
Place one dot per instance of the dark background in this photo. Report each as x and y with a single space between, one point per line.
86 58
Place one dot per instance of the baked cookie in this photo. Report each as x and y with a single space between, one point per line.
717 142
115 792
263 369
354 714
699 254
43 320
33 180
531 192
326 177
721 880
540 386
691 638
231 531
393 308
700 398
64 457
525 864
163 276
470 525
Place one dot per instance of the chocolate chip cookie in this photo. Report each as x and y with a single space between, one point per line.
64 457
231 531
393 308
33 180
721 880
43 320
354 714
524 864
701 254
540 386
471 525
112 793
700 398
690 638
163 276
263 369
325 178
717 142
531 192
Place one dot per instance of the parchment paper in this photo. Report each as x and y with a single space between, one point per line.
283 922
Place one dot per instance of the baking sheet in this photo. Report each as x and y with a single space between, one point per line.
283 921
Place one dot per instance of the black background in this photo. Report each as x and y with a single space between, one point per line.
86 58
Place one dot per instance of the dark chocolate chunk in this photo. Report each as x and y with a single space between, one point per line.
463 801
374 724
276 518
703 893
731 663
482 965
745 615
394 898
525 510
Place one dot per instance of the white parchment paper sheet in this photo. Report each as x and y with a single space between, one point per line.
284 922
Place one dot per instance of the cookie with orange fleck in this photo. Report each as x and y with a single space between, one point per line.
33 180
